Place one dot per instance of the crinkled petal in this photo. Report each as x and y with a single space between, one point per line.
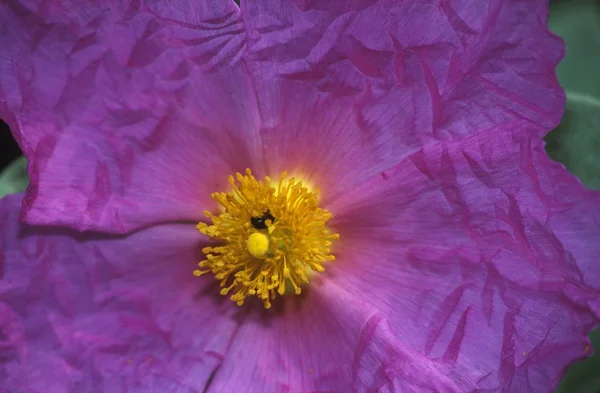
348 89
130 115
88 314
325 342
483 254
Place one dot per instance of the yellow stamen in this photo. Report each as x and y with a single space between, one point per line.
273 237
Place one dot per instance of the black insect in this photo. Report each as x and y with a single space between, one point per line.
260 222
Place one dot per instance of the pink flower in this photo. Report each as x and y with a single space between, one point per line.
467 259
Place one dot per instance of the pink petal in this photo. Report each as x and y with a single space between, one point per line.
362 84
129 116
327 342
482 254
83 314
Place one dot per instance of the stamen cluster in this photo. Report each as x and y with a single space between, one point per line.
272 238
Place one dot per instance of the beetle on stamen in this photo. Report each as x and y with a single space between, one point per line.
261 222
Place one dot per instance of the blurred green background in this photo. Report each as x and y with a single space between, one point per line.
575 143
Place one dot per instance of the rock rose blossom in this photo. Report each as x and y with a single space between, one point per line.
425 244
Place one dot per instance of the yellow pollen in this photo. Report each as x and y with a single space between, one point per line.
258 244
272 238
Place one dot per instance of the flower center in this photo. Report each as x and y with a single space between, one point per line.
273 237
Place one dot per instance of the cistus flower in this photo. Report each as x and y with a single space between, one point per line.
391 223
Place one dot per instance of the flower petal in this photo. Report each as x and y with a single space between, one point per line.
129 116
483 254
83 313
351 88
326 342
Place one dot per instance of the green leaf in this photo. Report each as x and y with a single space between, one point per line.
576 141
578 23
14 177
584 377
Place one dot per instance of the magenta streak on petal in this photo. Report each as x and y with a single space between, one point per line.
481 253
331 341
129 117
348 90
91 313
